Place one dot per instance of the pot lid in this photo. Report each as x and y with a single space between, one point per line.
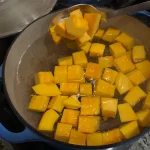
15 15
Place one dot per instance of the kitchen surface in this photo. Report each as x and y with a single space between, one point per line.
7 116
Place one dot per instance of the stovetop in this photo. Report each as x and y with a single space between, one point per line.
10 121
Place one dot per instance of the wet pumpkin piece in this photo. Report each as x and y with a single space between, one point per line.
65 61
146 103
107 61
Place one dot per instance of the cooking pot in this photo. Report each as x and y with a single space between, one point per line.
34 51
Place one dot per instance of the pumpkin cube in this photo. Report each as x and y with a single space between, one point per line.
129 55
93 71
65 61
44 78
117 50
70 117
110 34
107 61
79 58
123 83
56 103
77 138
76 74
138 53
99 34
48 120
52 29
83 39
146 103
94 139
69 88
89 124
63 132
126 40
130 129
134 95
38 103
56 38
112 136
77 13
93 20
123 64
103 88
72 102
125 109
86 89
60 74
97 49
136 77
142 66
90 105
148 86
85 47
110 75
50 89
109 107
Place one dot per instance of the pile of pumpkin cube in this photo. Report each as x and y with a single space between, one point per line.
82 93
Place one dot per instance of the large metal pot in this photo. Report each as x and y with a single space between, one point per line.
34 51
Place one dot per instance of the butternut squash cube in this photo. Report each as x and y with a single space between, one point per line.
103 88
89 124
93 20
77 138
65 61
129 55
126 40
112 136
85 47
146 103
130 129
77 13
93 71
126 113
69 88
123 83
107 61
56 37
110 34
44 78
56 103
117 50
63 132
60 74
99 34
109 107
143 117
86 89
38 103
90 105
94 139
134 95
109 75
136 77
97 49
79 58
48 120
72 102
76 74
50 89
138 53
83 39
70 117
123 64
142 66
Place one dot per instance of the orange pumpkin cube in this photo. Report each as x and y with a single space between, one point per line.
107 61
65 61
146 103
86 89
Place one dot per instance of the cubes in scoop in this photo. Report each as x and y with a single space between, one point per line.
56 37
77 138
110 34
126 113
86 89
77 13
83 39
126 40
103 88
99 34
93 71
65 61
63 132
97 49
70 117
146 103
85 47
123 64
90 105
138 53
130 129
89 124
60 74
117 50
109 107
48 120
134 95
107 61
